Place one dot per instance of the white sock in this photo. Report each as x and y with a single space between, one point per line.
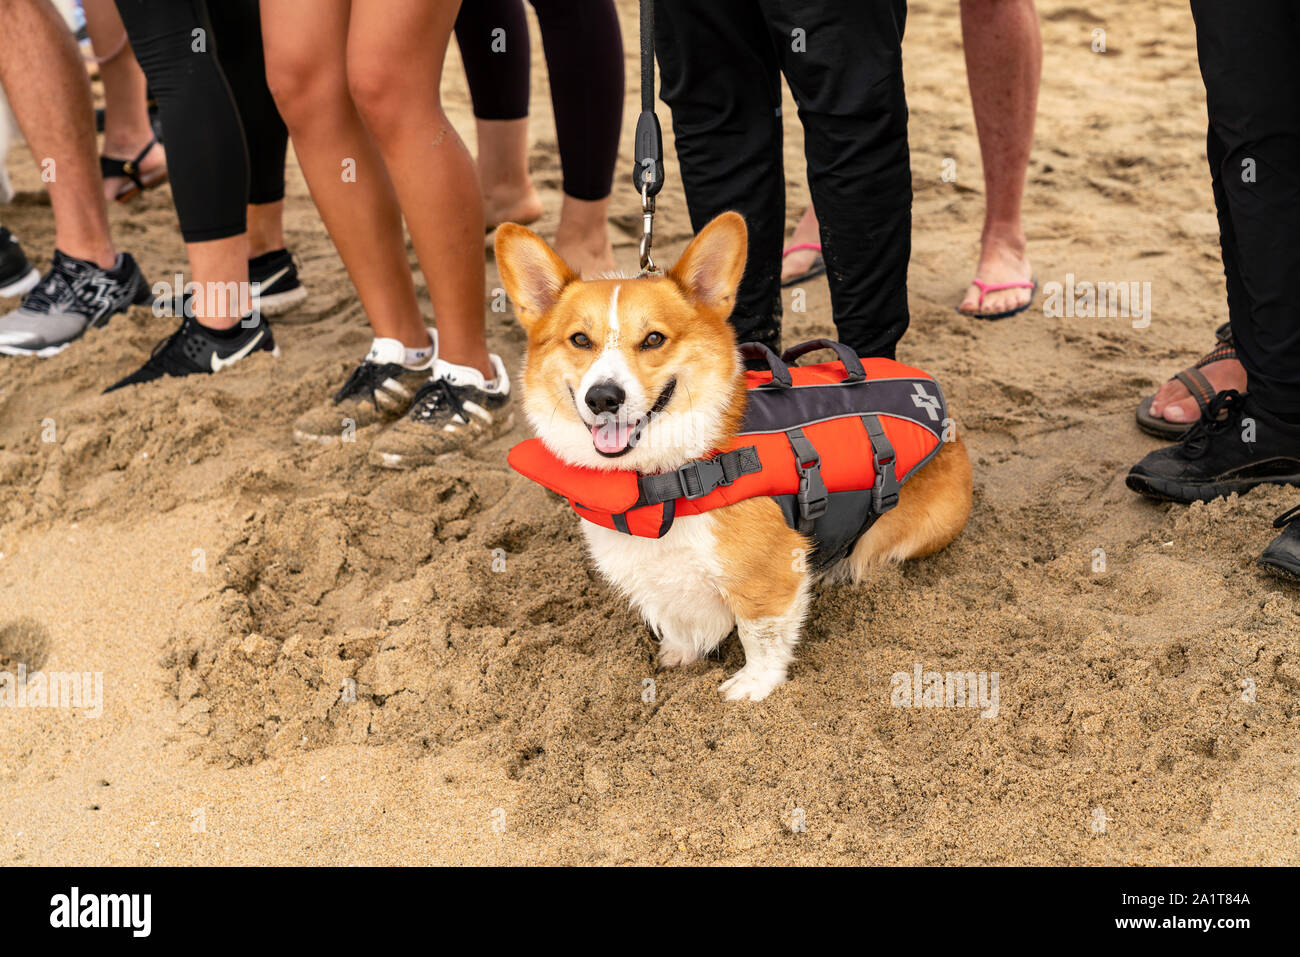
384 351
423 358
468 375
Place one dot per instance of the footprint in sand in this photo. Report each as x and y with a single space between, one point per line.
23 641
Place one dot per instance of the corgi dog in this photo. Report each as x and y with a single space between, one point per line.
656 357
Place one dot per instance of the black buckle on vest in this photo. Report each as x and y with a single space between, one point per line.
701 477
812 496
884 493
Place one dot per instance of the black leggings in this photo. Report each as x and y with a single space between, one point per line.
1252 92
584 57
205 68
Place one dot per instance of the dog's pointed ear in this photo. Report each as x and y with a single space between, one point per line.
533 273
710 269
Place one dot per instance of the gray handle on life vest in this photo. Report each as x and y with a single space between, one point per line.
780 374
852 364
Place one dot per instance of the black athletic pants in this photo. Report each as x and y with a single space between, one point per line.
584 59
722 62
205 68
1250 61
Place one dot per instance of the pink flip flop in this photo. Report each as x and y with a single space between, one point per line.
988 287
816 269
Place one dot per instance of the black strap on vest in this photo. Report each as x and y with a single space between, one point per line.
853 370
812 495
700 477
884 494
759 352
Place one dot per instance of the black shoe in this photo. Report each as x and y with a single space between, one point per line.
276 281
17 275
1234 447
194 349
1282 557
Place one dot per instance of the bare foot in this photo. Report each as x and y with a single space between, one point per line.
582 238
800 261
154 163
588 256
508 194
1174 403
1002 259
511 204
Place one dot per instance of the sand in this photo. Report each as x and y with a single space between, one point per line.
234 589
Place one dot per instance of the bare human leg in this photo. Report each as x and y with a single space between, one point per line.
45 81
265 228
127 129
395 54
306 67
1004 60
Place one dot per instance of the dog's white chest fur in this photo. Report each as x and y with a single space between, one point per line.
672 581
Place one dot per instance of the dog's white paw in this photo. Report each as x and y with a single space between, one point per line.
675 656
753 684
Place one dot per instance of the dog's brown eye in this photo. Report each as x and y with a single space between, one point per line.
580 340
653 341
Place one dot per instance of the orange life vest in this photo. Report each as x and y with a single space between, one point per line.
831 443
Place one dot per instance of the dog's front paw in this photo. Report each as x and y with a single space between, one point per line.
751 683
676 655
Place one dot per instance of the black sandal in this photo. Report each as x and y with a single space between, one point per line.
1199 386
130 169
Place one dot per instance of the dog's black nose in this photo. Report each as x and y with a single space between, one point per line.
606 396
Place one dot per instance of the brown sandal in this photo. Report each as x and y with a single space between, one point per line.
1199 386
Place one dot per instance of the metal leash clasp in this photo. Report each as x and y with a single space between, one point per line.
648 266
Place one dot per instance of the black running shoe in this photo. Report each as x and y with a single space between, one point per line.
71 298
17 275
1282 557
1234 447
194 349
276 281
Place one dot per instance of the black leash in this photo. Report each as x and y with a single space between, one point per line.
648 174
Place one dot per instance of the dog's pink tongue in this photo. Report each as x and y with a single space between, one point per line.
611 437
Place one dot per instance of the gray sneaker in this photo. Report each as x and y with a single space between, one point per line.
71 298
